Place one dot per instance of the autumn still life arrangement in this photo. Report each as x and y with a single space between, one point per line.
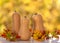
22 30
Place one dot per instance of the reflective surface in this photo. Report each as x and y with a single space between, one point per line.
2 40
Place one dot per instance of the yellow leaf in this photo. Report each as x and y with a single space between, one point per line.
2 27
48 3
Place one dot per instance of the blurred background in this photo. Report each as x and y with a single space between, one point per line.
48 9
